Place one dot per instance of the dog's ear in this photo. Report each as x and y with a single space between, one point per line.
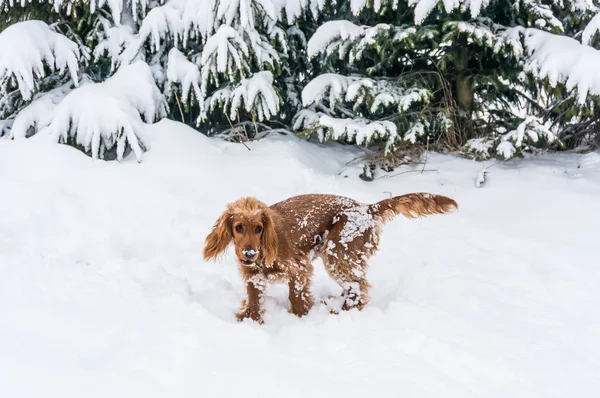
269 240
219 237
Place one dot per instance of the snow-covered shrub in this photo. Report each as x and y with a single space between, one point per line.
101 117
38 113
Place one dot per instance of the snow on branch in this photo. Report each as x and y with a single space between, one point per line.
38 113
163 21
181 70
329 35
541 13
256 95
317 89
424 7
26 47
119 43
531 130
353 130
102 116
591 30
346 38
294 9
223 49
560 59
244 10
224 52
376 95
135 84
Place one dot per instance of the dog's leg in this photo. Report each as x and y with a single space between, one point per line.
251 306
301 298
356 294
346 262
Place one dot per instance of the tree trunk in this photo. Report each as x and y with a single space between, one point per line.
464 92
464 84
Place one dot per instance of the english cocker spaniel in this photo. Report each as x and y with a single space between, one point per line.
277 243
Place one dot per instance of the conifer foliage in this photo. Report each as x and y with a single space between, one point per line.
490 77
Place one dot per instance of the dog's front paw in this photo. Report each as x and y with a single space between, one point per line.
250 313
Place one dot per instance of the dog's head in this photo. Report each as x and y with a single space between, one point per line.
247 223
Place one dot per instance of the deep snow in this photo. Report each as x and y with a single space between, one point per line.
104 293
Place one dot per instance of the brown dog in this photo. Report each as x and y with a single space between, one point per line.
278 243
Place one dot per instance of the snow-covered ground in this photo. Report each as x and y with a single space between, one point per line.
104 293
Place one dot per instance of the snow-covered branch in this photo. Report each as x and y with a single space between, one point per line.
256 95
181 70
102 116
26 48
352 130
560 59
376 95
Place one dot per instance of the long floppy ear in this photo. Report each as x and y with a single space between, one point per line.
269 240
219 237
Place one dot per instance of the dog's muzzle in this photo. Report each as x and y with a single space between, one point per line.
251 253
250 257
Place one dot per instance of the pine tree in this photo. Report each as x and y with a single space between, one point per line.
222 65
488 76
452 73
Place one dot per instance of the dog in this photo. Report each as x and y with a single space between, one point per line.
277 243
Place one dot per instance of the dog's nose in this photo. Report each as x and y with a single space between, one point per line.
249 253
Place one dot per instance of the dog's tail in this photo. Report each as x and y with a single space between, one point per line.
412 205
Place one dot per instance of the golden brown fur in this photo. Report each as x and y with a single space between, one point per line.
277 243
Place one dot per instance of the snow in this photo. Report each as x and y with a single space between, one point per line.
162 21
38 113
119 43
101 115
360 131
590 30
423 8
562 59
332 32
218 47
333 83
103 288
258 96
480 146
293 9
530 130
25 47
181 70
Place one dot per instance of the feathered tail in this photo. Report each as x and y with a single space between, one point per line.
412 205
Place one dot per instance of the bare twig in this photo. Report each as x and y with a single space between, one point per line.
404 172
179 105
235 132
244 126
254 122
426 153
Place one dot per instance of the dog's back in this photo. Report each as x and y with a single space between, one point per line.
307 219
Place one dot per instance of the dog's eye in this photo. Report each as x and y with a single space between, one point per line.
258 229
239 228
